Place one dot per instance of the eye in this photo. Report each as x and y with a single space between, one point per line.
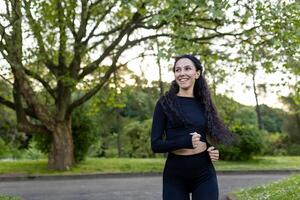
177 69
187 68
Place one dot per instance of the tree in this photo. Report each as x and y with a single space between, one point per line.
56 47
280 21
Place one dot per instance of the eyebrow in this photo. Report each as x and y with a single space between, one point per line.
183 66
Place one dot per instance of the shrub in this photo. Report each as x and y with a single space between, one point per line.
4 149
274 144
137 138
293 149
248 144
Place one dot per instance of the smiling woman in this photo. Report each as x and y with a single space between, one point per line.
187 118
185 75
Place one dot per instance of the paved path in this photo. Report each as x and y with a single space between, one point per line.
116 188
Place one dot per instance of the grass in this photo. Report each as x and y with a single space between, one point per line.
129 165
5 197
286 189
262 163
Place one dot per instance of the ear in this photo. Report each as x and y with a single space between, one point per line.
197 74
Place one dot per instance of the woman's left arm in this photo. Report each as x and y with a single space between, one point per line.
213 153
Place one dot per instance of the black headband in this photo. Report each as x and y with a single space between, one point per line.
196 62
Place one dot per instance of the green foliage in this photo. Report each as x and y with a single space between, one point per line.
293 149
140 103
83 133
12 152
43 142
32 153
4 149
137 138
227 108
248 144
245 115
272 118
291 124
274 143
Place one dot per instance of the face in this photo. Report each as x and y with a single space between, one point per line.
185 73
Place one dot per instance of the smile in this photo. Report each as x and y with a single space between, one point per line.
182 80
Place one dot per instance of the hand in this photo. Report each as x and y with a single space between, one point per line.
213 153
195 139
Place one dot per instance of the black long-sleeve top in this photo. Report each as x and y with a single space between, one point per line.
165 138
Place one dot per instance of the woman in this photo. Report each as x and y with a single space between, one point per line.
184 118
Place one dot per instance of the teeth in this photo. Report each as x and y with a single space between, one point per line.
183 79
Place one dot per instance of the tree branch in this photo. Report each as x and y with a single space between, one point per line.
15 57
22 122
7 103
62 37
37 30
91 34
42 81
6 80
84 17
104 79
12 106
127 30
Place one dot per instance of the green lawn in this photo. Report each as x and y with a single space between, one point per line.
286 189
115 165
4 197
262 163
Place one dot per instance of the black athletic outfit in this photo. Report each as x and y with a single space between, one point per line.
183 175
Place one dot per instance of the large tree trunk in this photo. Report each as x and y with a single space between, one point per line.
61 155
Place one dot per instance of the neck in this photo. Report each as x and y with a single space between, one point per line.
185 93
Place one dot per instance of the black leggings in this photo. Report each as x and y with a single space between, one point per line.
193 174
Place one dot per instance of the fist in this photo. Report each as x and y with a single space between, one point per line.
195 139
213 153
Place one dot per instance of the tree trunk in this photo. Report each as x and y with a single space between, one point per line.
61 155
257 108
119 143
161 86
118 116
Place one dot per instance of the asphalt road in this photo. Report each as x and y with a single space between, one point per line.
117 188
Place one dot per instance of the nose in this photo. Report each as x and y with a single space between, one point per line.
181 72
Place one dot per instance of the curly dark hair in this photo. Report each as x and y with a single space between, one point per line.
217 131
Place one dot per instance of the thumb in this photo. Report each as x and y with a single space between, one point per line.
211 148
194 133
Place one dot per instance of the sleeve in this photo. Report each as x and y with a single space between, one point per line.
159 145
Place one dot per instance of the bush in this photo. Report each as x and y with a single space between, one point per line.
137 139
4 149
248 143
83 134
293 149
274 144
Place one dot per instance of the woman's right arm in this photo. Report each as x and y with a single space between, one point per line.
159 145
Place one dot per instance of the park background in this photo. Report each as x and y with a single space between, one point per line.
80 79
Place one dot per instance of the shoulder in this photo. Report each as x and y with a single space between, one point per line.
159 103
